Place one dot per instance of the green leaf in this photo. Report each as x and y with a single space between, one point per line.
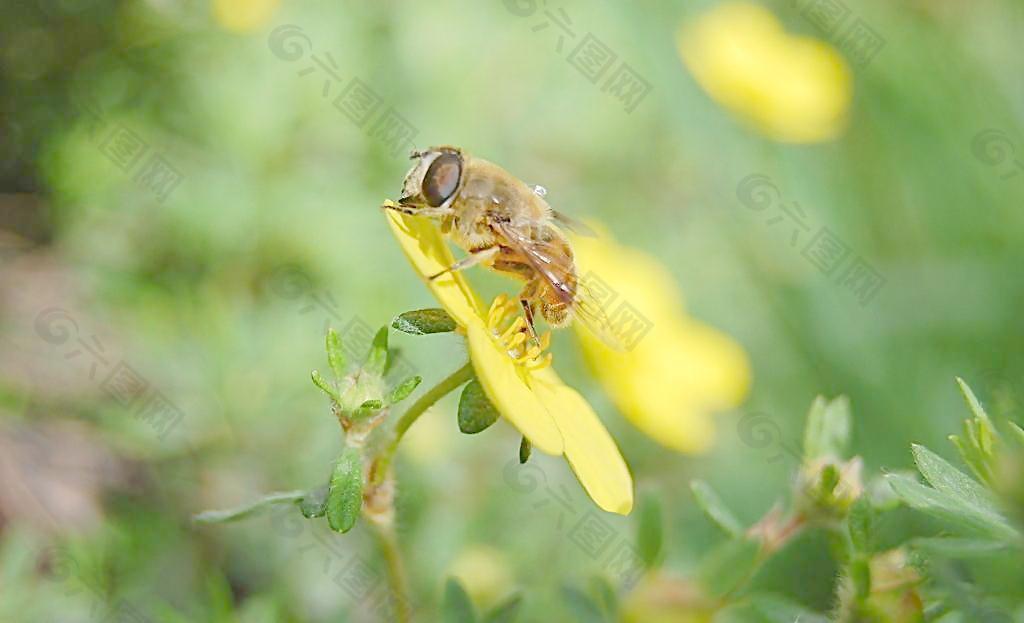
247 510
424 322
957 548
476 412
943 506
607 599
726 567
401 391
582 606
314 503
860 522
828 428
951 481
649 532
377 359
455 605
715 509
972 401
345 497
860 574
325 386
525 447
335 354
506 611
770 608
1018 434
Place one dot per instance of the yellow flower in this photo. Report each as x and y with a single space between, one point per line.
671 380
516 374
243 15
793 89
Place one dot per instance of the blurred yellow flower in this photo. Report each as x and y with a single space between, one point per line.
516 375
791 88
483 571
243 15
677 374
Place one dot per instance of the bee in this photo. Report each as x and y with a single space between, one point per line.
503 224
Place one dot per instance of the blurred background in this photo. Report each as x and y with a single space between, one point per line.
190 196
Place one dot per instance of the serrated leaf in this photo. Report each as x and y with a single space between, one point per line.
948 508
728 565
649 532
525 447
325 386
401 391
335 354
345 496
582 607
506 611
715 508
455 605
828 428
476 413
247 510
377 358
860 522
951 481
424 322
314 503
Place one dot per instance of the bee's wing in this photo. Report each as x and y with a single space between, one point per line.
575 226
589 301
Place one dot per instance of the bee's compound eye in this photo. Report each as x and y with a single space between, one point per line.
442 179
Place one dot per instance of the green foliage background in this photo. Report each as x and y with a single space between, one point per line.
195 292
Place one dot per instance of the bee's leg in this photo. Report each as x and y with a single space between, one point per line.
470 260
528 313
415 211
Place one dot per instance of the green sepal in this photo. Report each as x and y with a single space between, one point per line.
345 495
424 322
325 386
377 359
476 413
525 448
367 409
401 391
335 354
828 428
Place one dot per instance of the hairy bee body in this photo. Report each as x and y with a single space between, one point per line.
500 221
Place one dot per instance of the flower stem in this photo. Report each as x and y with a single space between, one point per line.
435 393
396 571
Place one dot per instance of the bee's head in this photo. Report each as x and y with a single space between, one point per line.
435 177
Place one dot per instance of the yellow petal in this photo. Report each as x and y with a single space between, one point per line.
508 392
425 247
590 450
